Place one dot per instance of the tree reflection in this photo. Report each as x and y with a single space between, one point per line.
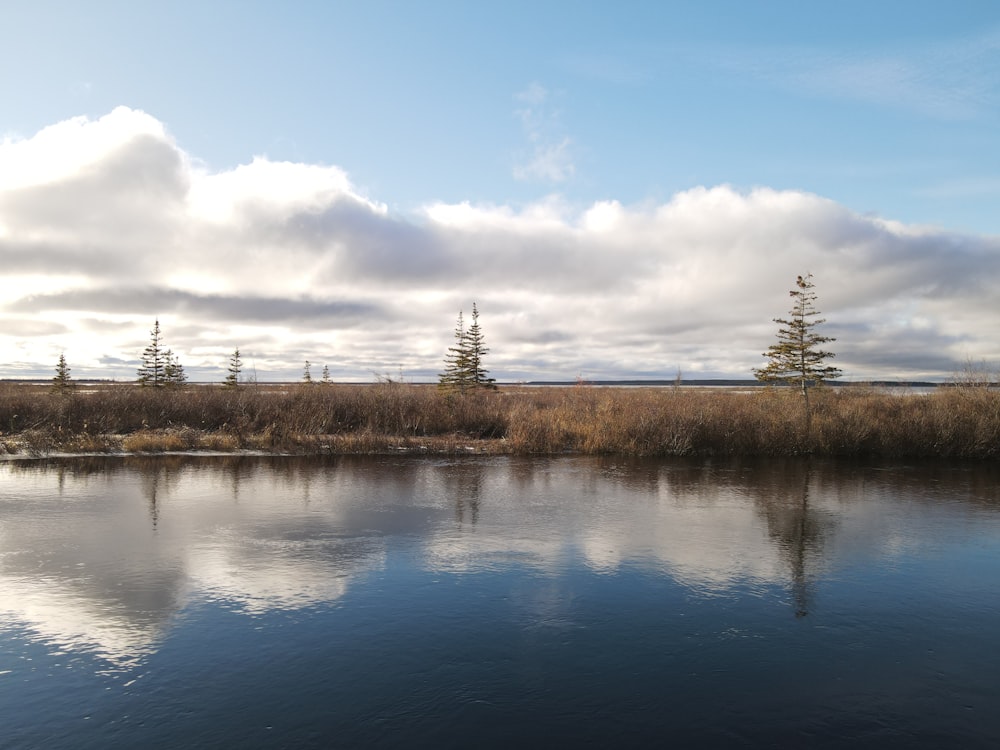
782 497
466 485
156 475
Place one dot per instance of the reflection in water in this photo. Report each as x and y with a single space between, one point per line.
420 602
796 528
465 485
102 554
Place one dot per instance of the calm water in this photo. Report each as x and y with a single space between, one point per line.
358 602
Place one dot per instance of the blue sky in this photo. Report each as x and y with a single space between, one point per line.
850 139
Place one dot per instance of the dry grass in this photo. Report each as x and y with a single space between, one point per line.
961 421
159 441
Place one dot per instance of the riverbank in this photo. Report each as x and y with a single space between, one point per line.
961 421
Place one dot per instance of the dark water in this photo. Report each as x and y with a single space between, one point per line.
577 602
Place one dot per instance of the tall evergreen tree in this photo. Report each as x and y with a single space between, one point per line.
797 358
464 361
154 360
62 380
235 367
456 360
326 375
306 375
476 349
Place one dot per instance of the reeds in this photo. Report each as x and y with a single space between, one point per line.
958 421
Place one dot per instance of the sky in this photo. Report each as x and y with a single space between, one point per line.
624 190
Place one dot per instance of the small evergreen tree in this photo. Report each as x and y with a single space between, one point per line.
62 381
173 371
796 357
154 360
306 375
235 366
326 375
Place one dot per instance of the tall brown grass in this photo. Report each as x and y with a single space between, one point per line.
960 421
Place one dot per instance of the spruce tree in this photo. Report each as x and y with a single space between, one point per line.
464 361
475 350
456 360
326 375
173 371
154 360
235 366
62 380
796 358
306 375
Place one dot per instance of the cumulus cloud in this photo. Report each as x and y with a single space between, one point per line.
108 223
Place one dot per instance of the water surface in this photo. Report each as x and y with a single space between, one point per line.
420 602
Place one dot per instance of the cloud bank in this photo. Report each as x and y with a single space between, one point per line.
107 224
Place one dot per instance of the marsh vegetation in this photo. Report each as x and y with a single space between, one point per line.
962 420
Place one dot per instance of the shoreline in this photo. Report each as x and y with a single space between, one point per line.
962 421
207 444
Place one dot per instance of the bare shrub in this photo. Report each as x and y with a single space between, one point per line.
390 416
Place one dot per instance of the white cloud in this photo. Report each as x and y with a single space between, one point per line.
64 149
549 154
548 162
291 262
603 216
265 185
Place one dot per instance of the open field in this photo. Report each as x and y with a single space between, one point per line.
961 421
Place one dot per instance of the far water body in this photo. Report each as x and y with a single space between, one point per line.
498 602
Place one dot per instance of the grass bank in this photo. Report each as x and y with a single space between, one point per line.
961 421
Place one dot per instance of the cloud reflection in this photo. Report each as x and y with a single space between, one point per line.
103 555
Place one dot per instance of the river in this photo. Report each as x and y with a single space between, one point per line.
241 601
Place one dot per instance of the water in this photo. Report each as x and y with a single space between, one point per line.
486 602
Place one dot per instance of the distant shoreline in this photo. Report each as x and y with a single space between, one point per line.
629 383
